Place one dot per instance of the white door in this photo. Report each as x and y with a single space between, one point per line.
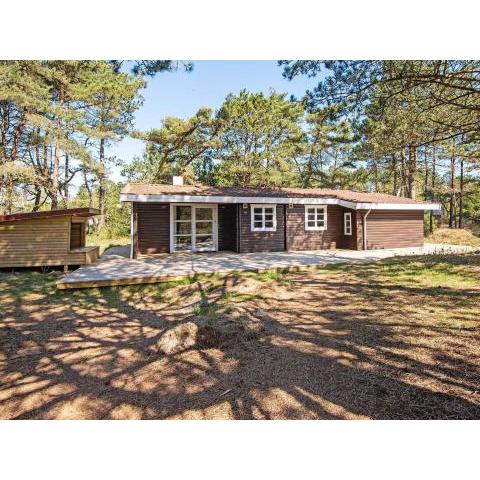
194 228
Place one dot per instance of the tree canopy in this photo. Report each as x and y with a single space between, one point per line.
409 128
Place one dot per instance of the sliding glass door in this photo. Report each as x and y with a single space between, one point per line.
194 228
203 226
182 239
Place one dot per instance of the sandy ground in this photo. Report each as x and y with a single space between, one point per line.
322 345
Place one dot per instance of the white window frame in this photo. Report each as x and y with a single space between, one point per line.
263 206
193 233
347 215
316 208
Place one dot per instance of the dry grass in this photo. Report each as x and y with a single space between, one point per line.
397 339
455 236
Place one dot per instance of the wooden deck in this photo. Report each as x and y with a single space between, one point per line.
115 268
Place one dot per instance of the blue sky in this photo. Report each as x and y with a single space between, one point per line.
181 94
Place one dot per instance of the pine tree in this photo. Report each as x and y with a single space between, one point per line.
260 139
175 147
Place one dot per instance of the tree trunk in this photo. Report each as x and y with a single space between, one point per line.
433 187
401 189
425 185
10 165
308 170
38 190
37 198
55 174
455 211
411 170
460 209
65 186
101 187
394 172
451 220
56 153
87 187
46 174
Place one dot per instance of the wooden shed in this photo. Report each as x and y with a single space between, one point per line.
49 238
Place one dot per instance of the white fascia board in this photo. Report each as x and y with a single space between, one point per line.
128 197
398 206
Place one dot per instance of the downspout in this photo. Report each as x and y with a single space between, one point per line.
365 215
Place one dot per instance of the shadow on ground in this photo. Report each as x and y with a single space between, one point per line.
330 345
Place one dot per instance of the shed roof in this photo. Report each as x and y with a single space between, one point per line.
67 212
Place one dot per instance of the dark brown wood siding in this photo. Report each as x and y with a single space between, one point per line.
227 227
350 241
394 228
385 229
153 227
300 239
261 241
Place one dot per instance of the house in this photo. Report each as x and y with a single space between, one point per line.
49 238
174 218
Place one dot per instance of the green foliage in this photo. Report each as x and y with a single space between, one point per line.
416 124
117 218
117 214
325 160
252 140
270 275
435 87
472 203
410 128
260 138
149 68
55 116
174 148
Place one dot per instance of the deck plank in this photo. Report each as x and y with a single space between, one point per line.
114 268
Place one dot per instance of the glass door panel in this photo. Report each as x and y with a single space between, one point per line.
183 228
194 228
204 243
203 228
183 243
203 213
183 213
203 240
182 233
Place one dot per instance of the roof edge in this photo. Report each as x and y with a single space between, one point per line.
158 198
75 212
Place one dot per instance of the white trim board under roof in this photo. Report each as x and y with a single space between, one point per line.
157 198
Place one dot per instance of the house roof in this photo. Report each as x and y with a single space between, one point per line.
67 212
142 189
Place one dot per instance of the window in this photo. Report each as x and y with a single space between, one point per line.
264 218
347 223
315 217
